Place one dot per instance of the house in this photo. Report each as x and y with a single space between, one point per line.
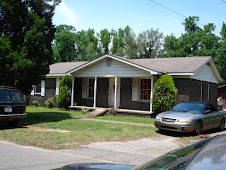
127 84
222 94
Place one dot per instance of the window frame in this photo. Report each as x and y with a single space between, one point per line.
89 88
147 89
35 89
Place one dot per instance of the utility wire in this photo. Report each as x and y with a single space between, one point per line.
178 12
223 1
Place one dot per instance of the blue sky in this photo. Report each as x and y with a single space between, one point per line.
140 15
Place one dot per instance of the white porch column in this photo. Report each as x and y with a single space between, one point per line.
72 91
115 101
95 92
152 81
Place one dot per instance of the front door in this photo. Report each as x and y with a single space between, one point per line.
111 94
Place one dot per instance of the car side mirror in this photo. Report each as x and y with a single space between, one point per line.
207 111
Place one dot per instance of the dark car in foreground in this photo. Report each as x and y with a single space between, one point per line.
12 106
207 154
193 116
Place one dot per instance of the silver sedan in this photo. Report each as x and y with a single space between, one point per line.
191 117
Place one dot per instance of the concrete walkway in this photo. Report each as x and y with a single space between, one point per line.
112 121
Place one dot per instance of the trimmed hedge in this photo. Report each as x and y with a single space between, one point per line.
164 94
64 96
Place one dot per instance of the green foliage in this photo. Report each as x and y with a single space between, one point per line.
64 96
64 49
149 43
26 34
84 110
35 103
49 103
164 94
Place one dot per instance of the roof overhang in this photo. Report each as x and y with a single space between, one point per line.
213 67
115 58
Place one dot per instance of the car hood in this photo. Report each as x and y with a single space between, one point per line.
177 115
95 166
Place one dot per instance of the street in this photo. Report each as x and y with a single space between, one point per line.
136 152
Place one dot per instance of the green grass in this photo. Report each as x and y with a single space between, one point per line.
128 119
81 131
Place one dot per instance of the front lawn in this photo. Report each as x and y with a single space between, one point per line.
128 119
41 120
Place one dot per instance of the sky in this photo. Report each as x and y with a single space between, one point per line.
140 15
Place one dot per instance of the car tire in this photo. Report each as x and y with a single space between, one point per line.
198 128
222 125
13 122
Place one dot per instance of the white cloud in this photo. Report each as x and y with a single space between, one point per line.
64 15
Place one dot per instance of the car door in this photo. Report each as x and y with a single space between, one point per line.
209 121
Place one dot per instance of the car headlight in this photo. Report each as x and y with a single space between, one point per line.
157 118
184 121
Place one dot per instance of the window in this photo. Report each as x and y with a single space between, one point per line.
145 89
37 88
91 88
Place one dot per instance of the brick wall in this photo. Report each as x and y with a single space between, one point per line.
183 87
50 92
126 97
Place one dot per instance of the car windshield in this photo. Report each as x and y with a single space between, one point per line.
189 107
10 96
177 159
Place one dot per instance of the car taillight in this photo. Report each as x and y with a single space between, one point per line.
24 109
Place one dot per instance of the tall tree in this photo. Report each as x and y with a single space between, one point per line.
84 40
27 31
150 43
105 39
64 48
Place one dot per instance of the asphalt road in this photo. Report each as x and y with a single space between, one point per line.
15 157
137 152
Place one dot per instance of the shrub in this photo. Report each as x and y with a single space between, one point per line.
35 103
49 103
64 96
164 94
84 110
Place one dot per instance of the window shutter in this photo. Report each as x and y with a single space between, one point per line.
57 85
135 89
43 88
33 90
84 87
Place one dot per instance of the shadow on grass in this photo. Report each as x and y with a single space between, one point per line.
44 117
36 118
181 134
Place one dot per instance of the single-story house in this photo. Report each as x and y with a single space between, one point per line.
222 94
113 81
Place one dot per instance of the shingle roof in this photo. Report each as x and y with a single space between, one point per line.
173 65
64 67
169 65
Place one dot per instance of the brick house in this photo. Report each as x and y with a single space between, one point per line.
127 84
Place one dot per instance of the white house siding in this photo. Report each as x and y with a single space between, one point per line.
205 74
116 69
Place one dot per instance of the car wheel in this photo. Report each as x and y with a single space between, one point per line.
198 128
222 125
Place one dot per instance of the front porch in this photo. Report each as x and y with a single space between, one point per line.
131 95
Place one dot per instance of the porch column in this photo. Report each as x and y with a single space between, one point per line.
152 80
95 92
72 91
115 102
